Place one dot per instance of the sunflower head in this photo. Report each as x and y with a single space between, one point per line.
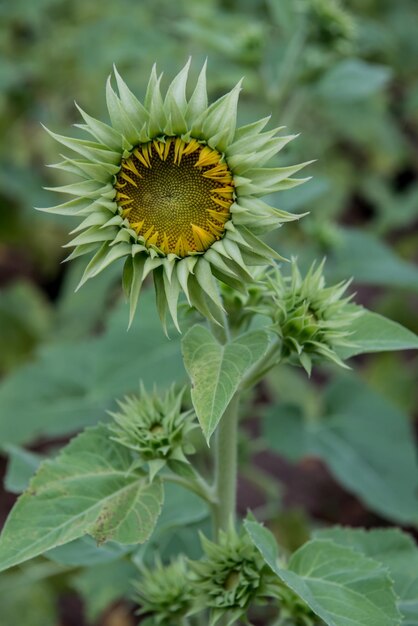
173 186
164 593
154 426
312 320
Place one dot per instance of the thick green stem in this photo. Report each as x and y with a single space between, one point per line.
226 467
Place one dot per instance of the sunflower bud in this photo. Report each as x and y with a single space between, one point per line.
164 593
310 318
229 577
156 428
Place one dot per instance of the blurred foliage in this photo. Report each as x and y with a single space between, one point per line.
344 75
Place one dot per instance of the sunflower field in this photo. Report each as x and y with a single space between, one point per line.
208 313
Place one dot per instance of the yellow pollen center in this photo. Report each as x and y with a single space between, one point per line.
176 195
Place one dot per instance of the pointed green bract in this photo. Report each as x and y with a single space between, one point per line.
228 244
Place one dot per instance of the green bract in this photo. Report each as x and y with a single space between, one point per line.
174 186
156 428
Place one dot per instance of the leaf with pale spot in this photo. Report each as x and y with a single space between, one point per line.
87 489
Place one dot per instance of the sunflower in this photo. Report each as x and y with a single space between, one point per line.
174 186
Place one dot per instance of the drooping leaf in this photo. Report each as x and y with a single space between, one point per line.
366 443
101 585
340 585
217 370
27 597
71 385
353 79
87 489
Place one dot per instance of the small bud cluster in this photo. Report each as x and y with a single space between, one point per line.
332 26
229 577
311 320
164 593
156 428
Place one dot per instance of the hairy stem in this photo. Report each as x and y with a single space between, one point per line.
226 467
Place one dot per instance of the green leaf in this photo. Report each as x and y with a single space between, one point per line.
182 509
102 585
216 370
183 516
79 313
27 597
86 551
395 550
25 318
366 443
352 80
71 385
374 333
369 261
87 489
340 585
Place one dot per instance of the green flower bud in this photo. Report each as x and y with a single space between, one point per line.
164 593
229 577
156 428
310 318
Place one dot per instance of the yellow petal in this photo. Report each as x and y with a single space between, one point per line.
202 238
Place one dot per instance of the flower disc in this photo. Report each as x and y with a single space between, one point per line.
176 195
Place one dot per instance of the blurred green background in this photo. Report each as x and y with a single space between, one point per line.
345 76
